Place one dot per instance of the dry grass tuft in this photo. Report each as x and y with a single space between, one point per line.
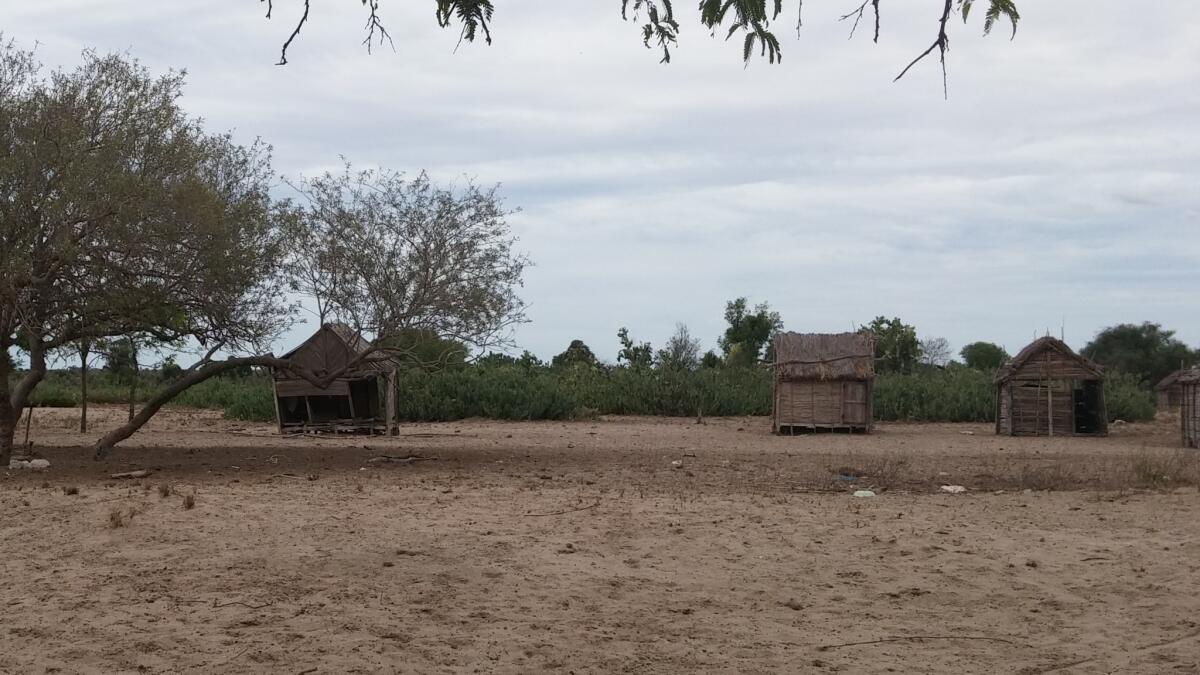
885 471
1049 477
1165 469
189 502
164 490
116 518
70 491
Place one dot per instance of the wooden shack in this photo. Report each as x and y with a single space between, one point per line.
1170 392
360 400
1189 407
823 382
1049 390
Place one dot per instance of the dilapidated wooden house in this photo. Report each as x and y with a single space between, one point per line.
1170 392
1049 390
360 399
1189 407
823 382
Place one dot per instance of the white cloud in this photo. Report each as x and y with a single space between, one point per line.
1060 181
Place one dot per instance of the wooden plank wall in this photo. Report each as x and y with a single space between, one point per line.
1191 415
1043 408
1003 418
821 403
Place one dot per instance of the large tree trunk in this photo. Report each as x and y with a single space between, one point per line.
12 400
193 377
8 421
84 349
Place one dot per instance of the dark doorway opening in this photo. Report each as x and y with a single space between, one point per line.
329 408
1089 411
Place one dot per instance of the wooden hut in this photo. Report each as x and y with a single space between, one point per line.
1189 408
823 382
1049 390
354 402
1170 392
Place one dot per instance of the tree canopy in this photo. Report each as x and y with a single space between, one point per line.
749 332
897 349
1146 350
634 354
753 22
682 351
576 354
984 356
120 215
388 254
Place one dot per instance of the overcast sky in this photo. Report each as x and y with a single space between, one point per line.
1058 185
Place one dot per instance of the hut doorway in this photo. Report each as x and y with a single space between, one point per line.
1089 407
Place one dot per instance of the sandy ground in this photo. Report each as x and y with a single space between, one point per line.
579 547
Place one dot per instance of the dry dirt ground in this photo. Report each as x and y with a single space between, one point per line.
580 547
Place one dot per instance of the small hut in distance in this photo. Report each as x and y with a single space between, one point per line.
1049 390
823 382
1170 392
1189 407
354 402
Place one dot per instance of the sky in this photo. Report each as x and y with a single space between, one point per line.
1057 189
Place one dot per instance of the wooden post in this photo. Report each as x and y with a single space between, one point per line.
275 396
392 429
350 398
1050 411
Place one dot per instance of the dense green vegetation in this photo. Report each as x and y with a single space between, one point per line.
529 391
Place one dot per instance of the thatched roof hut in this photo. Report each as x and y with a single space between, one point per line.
1189 407
1049 390
823 382
352 402
1170 392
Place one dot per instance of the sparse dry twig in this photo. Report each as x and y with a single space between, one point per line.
904 638
559 513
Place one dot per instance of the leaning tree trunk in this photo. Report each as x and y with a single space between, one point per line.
193 377
133 379
13 400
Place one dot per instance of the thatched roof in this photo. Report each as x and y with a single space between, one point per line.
1191 376
334 346
1039 346
1171 380
822 356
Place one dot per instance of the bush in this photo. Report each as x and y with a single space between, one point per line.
1127 399
54 395
935 395
525 390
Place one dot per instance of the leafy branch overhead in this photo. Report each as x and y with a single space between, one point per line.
753 20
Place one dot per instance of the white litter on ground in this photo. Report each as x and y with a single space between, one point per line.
864 493
32 465
954 489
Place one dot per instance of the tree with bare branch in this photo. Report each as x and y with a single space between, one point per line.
754 21
388 254
119 215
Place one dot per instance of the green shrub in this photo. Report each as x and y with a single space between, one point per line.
950 395
1127 399
523 390
54 395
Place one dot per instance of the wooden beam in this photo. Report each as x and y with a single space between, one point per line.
278 412
391 426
